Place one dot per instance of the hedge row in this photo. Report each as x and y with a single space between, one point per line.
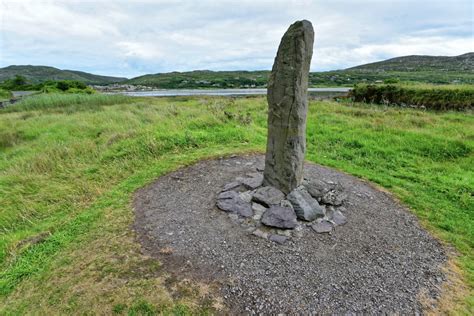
424 96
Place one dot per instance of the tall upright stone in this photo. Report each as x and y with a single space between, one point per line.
288 104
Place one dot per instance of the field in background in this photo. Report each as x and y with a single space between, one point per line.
69 165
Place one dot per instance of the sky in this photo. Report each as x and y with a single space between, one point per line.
132 38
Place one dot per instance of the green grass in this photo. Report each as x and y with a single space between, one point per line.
5 94
68 171
447 97
63 101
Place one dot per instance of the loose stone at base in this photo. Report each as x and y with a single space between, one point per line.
230 201
323 226
268 196
232 186
260 233
336 216
253 181
279 239
305 206
279 217
258 211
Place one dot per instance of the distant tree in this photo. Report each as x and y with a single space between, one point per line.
19 80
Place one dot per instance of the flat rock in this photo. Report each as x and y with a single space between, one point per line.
279 217
323 226
268 196
230 201
279 239
337 217
252 181
318 188
305 206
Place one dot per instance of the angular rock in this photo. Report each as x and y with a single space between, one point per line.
333 197
260 233
279 217
268 196
231 186
287 107
258 211
317 188
246 196
230 201
227 195
279 239
252 181
323 226
286 203
305 206
336 217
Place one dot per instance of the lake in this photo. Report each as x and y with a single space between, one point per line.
227 92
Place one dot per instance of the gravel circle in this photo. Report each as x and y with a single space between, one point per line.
381 261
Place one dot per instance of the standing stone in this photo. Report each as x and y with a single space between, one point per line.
287 107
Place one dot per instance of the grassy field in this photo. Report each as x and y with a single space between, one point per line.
68 170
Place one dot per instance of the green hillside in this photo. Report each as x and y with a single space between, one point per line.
461 63
204 79
420 69
37 74
407 69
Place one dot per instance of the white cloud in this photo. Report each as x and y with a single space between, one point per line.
136 37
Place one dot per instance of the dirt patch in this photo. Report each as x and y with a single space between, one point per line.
381 261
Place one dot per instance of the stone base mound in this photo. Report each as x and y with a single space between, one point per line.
380 261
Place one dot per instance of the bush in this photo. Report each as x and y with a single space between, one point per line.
427 96
5 94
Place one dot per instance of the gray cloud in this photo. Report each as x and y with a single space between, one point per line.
136 37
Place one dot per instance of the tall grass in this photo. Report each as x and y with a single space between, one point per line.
67 178
61 100
5 94
452 97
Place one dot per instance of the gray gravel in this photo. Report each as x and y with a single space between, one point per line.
376 263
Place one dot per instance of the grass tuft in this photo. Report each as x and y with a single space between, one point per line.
63 100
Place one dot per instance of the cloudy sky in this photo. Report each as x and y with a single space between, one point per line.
130 38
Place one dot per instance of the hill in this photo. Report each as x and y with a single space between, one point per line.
203 79
407 69
422 69
463 62
425 69
37 74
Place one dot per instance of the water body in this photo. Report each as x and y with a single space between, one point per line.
227 92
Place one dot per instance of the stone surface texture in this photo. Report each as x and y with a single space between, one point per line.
268 196
279 217
287 108
230 201
305 206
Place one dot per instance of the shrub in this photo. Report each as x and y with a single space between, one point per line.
459 97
